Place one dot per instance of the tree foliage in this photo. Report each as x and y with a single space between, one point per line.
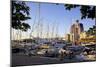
86 10
20 13
92 30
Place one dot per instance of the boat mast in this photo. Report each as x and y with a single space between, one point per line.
52 34
32 30
48 30
38 24
41 29
56 30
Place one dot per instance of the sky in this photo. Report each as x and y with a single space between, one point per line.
56 15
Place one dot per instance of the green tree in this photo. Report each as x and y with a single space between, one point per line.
87 11
20 13
92 30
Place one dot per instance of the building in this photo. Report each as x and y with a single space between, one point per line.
88 39
83 35
68 37
76 29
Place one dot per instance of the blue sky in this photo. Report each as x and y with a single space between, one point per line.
53 14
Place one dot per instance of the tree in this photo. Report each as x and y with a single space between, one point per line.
92 30
86 10
20 13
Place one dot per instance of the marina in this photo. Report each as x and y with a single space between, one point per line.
51 35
